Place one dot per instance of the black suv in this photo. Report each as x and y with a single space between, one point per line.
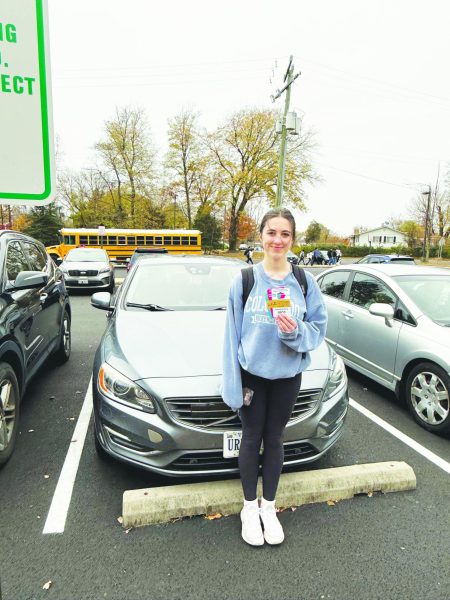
34 323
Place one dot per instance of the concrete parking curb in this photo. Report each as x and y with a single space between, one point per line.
159 505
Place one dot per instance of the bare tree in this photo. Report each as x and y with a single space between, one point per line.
127 152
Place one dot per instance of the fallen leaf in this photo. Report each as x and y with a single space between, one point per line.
365 389
280 509
120 520
370 494
214 516
52 397
47 585
46 476
30 430
128 530
293 508
331 502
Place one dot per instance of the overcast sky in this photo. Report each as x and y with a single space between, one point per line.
374 84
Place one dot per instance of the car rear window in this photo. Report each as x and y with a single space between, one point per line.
333 284
404 260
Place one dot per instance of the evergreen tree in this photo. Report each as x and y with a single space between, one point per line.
44 223
211 229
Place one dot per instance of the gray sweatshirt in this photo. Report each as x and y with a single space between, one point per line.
254 341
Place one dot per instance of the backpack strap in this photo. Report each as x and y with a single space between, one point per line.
248 280
300 276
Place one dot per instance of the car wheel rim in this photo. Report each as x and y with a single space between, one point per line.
7 413
66 336
430 398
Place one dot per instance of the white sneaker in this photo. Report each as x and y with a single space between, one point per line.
251 525
273 531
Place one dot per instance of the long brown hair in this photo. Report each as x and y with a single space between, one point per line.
278 212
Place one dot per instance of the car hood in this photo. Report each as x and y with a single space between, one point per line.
84 265
145 345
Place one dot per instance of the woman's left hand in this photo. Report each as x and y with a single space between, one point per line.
286 324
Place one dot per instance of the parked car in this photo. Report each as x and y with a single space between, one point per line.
34 322
292 258
144 252
88 268
243 246
158 370
391 322
387 258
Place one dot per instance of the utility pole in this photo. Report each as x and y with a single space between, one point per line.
174 208
290 78
426 240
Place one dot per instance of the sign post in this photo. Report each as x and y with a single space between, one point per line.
27 173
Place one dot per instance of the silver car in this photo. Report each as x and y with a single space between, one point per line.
88 268
392 323
158 370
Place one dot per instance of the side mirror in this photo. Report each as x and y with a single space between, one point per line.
58 260
27 280
102 300
382 310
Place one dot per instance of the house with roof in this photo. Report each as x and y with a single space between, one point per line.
381 237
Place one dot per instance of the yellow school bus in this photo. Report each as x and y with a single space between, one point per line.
121 243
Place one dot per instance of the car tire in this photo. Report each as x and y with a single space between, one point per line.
62 353
427 395
9 411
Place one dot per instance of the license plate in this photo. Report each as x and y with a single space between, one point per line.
83 281
231 443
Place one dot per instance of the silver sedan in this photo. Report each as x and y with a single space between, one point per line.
392 323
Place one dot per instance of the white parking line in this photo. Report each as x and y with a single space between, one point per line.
431 456
56 518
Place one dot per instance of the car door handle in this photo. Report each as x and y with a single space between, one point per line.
348 313
43 297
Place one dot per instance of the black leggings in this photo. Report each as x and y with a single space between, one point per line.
265 420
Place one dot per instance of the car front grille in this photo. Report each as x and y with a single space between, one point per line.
213 460
213 413
90 273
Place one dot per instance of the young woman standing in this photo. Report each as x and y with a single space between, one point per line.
265 352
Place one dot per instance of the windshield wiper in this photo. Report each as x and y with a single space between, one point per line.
152 307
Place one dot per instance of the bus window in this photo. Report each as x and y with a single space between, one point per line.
149 240
167 240
140 240
131 239
112 239
69 239
185 240
192 240
83 240
121 239
176 240
158 240
93 240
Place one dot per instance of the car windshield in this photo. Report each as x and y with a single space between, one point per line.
431 293
84 255
182 286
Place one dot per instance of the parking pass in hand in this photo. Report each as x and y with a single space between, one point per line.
279 301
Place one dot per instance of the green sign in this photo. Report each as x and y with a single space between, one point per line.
26 135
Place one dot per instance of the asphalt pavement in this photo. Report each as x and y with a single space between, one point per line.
386 546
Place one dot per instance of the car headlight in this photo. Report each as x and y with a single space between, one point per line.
104 270
121 389
337 377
